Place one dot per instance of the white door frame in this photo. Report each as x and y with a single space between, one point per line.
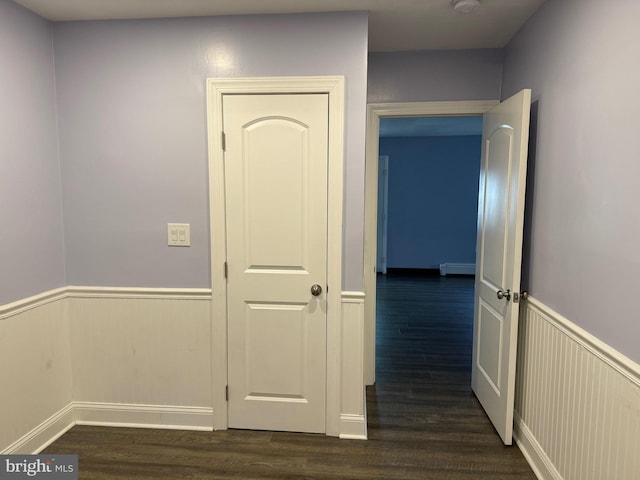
216 88
375 112
382 228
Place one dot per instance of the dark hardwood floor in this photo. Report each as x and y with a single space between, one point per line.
424 421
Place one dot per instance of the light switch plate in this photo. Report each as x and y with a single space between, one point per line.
178 234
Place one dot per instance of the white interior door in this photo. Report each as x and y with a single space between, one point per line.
276 218
499 256
383 203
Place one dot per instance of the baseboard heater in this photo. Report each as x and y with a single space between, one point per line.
457 269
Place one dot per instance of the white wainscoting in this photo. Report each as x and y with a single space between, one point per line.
129 357
35 371
577 401
103 356
353 417
141 346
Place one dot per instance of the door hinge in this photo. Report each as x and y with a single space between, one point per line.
226 393
226 270
223 140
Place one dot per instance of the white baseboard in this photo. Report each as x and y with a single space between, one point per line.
44 434
111 415
143 416
533 452
353 427
457 269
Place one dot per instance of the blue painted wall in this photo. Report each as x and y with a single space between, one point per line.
433 200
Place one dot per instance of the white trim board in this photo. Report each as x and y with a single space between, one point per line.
143 416
375 112
35 301
139 292
216 88
353 427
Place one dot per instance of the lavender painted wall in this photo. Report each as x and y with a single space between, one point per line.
31 239
580 57
433 200
434 75
132 116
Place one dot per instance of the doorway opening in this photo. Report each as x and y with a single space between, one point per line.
376 114
428 177
500 220
428 172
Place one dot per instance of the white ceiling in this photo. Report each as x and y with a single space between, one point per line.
393 24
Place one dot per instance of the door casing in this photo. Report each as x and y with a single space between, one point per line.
382 213
216 88
376 111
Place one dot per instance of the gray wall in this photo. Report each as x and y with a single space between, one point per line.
133 139
581 59
31 240
434 75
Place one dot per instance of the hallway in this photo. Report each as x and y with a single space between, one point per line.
422 399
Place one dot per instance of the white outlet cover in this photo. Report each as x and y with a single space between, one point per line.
179 234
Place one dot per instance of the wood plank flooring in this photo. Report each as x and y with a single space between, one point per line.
424 422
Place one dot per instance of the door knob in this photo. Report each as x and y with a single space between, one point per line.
316 290
502 294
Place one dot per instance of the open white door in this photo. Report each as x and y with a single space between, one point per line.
499 257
